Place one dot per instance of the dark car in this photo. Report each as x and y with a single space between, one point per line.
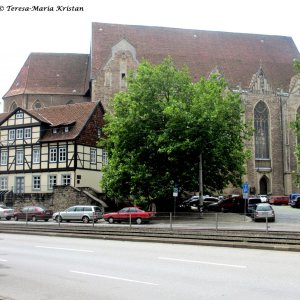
33 213
263 211
129 214
231 204
251 205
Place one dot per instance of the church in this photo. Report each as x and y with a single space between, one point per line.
258 67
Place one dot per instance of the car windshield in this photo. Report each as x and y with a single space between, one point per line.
263 208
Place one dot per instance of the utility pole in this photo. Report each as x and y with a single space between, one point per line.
200 182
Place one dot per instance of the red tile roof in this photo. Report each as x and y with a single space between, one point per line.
63 115
237 55
59 116
52 73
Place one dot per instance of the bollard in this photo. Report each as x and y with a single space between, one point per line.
217 220
171 227
130 220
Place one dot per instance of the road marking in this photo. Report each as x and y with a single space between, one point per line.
65 249
113 277
3 260
203 262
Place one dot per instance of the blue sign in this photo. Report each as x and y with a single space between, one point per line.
245 188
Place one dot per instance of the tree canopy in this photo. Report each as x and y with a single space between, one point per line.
157 129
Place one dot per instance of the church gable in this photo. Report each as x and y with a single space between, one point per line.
259 83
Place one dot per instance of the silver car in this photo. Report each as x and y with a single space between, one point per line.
6 212
84 213
264 211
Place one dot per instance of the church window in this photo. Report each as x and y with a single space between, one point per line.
107 78
13 106
37 104
261 126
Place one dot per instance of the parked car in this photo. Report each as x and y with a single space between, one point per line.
192 204
278 200
232 204
263 211
84 213
126 214
6 212
33 213
294 200
264 198
251 204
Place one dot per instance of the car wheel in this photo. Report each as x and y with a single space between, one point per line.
138 221
85 219
110 220
58 219
46 220
8 218
16 218
34 219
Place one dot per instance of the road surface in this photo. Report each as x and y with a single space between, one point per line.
39 267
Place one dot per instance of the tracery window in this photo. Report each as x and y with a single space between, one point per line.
261 135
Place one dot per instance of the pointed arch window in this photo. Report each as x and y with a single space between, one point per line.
261 135
13 106
297 126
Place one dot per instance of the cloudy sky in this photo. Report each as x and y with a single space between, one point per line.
23 31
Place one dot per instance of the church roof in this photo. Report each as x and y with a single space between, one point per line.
236 55
52 73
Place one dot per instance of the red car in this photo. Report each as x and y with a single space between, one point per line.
279 200
33 213
127 214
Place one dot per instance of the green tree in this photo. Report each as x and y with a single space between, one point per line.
157 129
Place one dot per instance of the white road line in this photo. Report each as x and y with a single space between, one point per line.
113 277
3 260
203 262
65 249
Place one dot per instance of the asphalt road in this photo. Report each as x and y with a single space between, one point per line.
38 267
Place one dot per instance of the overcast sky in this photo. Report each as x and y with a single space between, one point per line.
23 32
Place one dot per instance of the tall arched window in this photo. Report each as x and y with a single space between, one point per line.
13 106
261 126
297 126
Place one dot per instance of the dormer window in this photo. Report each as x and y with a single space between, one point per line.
54 130
19 114
66 129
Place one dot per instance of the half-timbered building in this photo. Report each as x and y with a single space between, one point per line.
53 146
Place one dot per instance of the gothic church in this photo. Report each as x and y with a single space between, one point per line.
258 67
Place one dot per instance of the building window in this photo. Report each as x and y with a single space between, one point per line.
52 181
11 134
65 179
3 158
104 157
66 129
99 132
93 156
261 135
36 182
53 155
62 154
27 133
19 114
20 157
19 134
3 183
36 156
54 130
